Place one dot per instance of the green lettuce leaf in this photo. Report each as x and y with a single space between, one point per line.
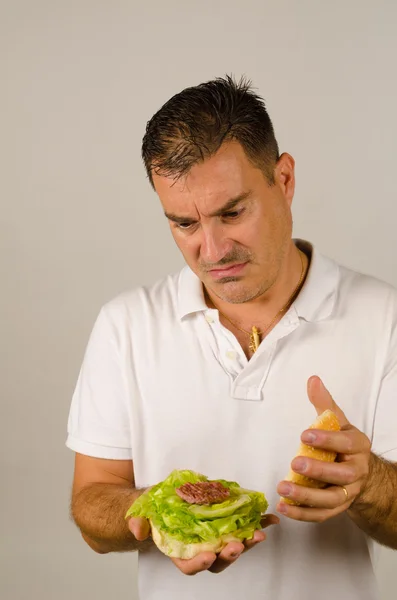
239 515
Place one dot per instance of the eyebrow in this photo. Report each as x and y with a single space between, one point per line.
230 204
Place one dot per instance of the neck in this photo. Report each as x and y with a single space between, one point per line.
261 310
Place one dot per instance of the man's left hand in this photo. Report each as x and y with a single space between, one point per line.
349 472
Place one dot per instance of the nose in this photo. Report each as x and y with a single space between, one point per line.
214 244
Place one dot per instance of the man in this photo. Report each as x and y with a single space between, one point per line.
220 368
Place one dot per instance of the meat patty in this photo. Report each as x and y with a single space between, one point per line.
203 492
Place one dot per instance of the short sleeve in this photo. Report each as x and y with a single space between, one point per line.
98 423
384 442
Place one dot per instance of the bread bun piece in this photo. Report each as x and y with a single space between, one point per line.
327 421
176 549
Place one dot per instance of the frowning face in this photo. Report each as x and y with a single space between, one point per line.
232 227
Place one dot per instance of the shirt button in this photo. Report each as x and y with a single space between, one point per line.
209 319
231 354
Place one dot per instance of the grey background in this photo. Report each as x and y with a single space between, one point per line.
79 222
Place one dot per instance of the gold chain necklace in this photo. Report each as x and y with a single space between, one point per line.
255 334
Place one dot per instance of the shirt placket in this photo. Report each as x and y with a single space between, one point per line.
247 378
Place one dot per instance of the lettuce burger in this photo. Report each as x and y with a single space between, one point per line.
189 514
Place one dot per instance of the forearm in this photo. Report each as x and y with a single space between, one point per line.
375 510
99 510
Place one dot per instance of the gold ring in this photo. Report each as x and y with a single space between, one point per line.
346 492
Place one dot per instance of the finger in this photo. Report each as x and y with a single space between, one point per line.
258 537
231 552
227 556
351 441
322 400
192 566
336 473
312 515
268 520
139 527
331 497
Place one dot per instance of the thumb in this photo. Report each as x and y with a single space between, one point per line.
322 400
139 527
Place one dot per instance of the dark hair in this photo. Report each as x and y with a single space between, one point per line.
193 124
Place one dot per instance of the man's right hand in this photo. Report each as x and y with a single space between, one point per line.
207 561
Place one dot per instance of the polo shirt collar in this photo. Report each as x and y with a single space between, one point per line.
314 303
317 298
190 293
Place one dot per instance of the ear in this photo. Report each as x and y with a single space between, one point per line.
284 173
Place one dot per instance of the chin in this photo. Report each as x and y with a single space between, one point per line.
233 291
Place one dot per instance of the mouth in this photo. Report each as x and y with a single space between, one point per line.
230 271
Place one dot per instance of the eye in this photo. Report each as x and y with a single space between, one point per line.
184 226
233 214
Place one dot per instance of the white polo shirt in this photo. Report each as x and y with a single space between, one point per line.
165 384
